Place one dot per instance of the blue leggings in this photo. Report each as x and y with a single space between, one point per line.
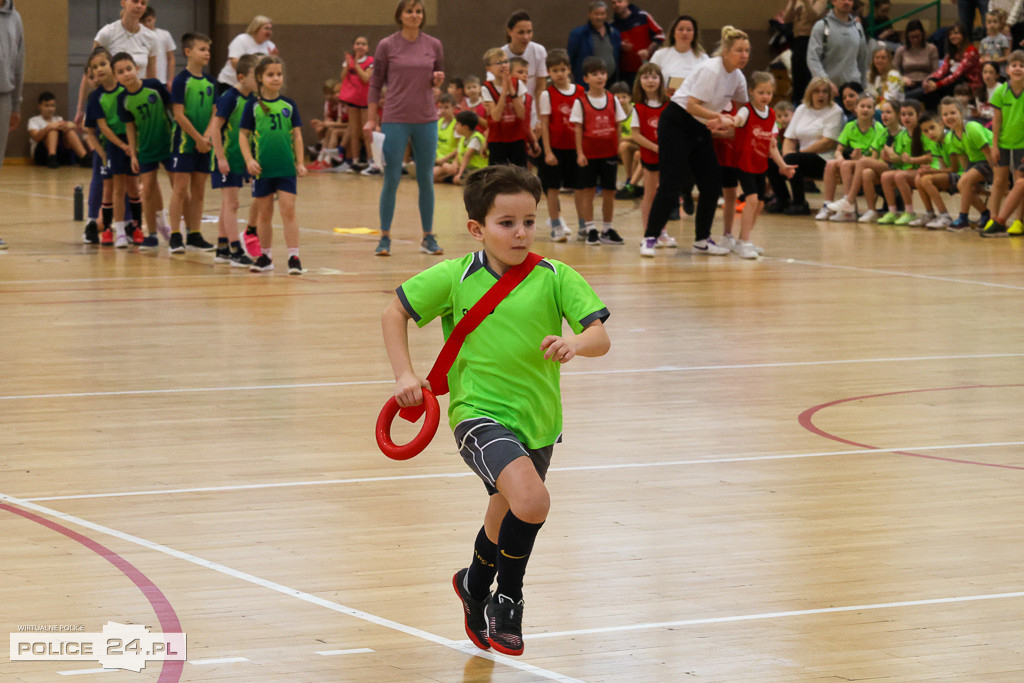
424 149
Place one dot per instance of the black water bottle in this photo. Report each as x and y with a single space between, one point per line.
79 203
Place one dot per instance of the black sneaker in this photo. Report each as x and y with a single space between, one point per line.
476 623
222 256
505 624
262 264
195 242
797 209
176 245
149 243
626 192
688 207
593 239
240 259
609 236
92 233
294 265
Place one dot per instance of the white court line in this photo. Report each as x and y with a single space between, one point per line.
35 194
354 651
217 660
898 273
580 468
466 649
581 373
82 672
773 615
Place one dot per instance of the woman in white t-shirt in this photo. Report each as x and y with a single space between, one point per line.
255 41
810 139
684 140
519 34
681 55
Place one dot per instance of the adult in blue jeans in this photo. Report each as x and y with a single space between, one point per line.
409 64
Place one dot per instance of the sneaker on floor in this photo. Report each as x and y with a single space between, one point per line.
176 245
239 259
746 250
566 231
593 238
728 241
581 234
557 233
294 265
647 246
904 218
383 246
222 256
708 247
841 205
107 238
888 218
505 624
823 214
939 222
688 207
627 191
430 246
609 236
372 169
262 264
958 225
984 219
121 241
994 229
759 250
841 217
195 242
1016 228
666 241
137 236
149 243
476 623
869 216
91 234
921 220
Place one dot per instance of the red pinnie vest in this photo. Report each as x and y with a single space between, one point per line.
600 129
753 142
510 128
561 130
647 117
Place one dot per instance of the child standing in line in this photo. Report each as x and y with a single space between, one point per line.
230 174
192 101
446 143
559 168
355 89
974 142
271 141
474 101
504 99
649 100
470 152
629 150
1007 136
855 142
505 422
995 46
519 68
597 115
102 125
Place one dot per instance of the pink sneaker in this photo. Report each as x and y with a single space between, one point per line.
252 244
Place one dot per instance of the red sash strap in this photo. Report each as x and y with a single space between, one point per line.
438 375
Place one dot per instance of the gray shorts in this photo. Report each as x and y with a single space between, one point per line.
488 448
983 168
1014 158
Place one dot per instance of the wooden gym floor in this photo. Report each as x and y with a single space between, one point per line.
805 468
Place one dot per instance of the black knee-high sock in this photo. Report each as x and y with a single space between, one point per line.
515 543
107 212
135 206
483 567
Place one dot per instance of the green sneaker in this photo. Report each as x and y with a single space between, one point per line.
904 218
1017 228
994 229
888 219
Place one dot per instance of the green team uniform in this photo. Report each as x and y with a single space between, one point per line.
148 109
853 137
271 123
230 107
974 138
1011 132
195 93
445 138
102 104
479 159
500 373
904 144
626 127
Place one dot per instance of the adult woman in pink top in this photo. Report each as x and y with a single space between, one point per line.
409 64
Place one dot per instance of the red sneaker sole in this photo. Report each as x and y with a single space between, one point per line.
469 632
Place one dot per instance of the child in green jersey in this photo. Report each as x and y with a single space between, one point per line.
941 176
505 403
855 142
270 137
973 142
1008 137
446 143
230 174
870 167
910 151
192 101
143 107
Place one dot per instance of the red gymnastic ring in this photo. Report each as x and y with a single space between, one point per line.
420 441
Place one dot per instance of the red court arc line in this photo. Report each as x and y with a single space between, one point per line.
172 670
806 421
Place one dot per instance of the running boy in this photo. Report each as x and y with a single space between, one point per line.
192 101
597 116
559 168
512 406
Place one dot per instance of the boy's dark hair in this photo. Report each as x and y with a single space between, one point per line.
619 88
246 63
468 118
190 39
120 57
46 96
557 57
1015 56
150 11
457 82
593 65
483 186
962 89
445 98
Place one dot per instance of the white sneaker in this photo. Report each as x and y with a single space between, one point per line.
372 169
121 241
666 241
759 250
840 205
566 231
728 241
922 220
557 233
745 250
843 217
708 247
647 246
940 223
823 214
870 216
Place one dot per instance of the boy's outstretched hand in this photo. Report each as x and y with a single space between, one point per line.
559 349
